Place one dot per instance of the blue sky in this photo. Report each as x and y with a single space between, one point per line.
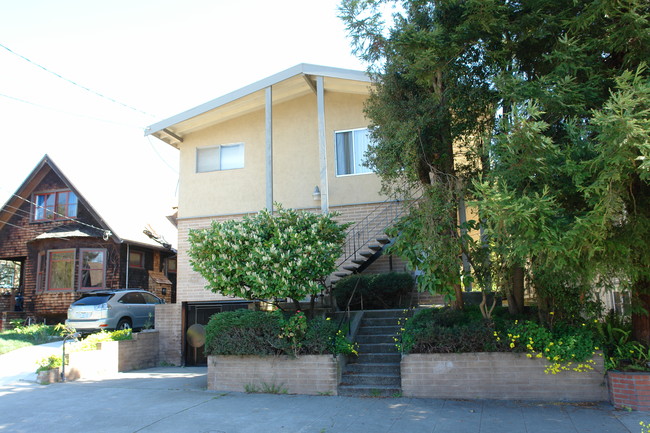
157 57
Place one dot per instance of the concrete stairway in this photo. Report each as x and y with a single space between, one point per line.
376 371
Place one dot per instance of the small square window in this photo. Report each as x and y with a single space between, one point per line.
351 147
136 259
216 158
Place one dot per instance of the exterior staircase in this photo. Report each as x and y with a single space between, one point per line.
376 370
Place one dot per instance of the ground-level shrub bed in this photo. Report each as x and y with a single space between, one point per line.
445 330
262 333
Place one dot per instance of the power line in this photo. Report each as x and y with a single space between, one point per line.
77 84
29 230
107 233
70 113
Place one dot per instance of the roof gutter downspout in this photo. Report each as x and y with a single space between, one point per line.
128 259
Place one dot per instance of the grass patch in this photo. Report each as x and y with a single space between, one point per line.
24 336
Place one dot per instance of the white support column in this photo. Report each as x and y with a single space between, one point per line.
322 145
269 148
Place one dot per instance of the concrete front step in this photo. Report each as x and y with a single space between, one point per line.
381 321
377 347
389 369
370 379
375 338
369 391
375 330
383 313
379 358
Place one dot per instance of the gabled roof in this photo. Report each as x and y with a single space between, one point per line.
79 229
289 84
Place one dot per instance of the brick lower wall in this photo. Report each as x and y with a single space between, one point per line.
502 376
629 390
308 374
141 352
169 325
113 356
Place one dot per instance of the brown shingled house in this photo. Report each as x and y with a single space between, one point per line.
54 246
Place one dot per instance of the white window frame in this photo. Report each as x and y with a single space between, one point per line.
336 159
81 268
219 162
48 275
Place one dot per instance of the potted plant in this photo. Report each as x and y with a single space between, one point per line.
48 370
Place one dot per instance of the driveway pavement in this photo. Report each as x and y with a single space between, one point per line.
175 399
20 364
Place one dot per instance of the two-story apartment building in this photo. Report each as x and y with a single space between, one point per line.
297 138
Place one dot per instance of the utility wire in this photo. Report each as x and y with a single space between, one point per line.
107 233
70 113
77 84
30 230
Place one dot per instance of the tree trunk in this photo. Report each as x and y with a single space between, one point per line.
515 292
641 320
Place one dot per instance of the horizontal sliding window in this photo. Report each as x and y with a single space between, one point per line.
224 157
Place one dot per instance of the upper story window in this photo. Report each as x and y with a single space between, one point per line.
136 259
55 205
351 147
215 158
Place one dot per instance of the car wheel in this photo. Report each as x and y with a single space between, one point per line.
124 323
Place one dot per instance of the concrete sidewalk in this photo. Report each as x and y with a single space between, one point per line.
174 399
20 364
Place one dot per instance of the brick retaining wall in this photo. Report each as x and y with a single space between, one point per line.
502 376
307 374
113 356
629 390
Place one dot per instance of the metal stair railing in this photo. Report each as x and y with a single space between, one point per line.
373 227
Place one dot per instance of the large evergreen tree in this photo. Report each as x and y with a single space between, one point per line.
564 188
431 104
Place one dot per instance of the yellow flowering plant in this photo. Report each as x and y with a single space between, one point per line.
565 348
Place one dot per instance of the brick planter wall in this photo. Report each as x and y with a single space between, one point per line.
502 376
629 390
113 356
307 374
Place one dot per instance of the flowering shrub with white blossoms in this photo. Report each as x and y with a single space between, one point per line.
287 254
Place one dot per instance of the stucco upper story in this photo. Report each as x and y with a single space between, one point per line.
275 141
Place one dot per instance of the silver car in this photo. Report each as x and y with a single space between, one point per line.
113 309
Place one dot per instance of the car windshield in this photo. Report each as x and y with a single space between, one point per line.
93 299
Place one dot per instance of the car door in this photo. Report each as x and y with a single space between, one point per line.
136 307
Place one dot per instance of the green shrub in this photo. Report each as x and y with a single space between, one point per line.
91 341
246 332
390 290
446 330
52 361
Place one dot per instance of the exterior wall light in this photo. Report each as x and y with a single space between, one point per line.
316 193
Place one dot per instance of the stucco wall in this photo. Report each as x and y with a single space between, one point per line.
296 166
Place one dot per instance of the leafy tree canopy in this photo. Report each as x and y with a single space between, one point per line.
287 254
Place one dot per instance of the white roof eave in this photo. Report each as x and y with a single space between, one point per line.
304 68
